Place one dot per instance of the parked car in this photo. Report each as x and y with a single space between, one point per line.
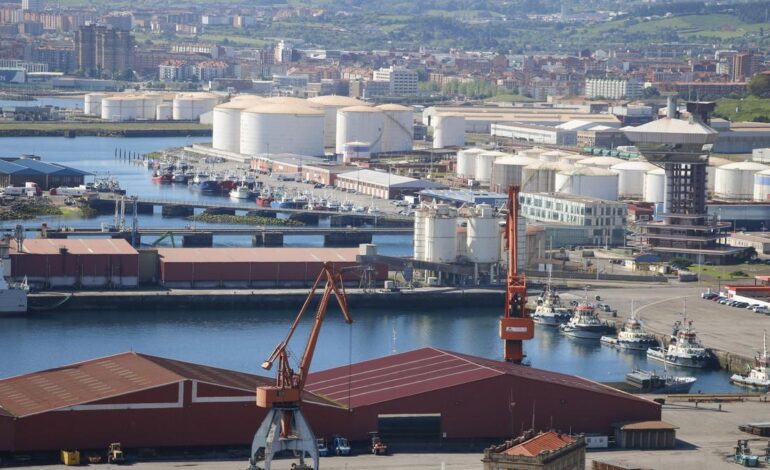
761 309
741 304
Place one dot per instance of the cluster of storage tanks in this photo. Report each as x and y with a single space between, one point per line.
119 107
542 170
251 125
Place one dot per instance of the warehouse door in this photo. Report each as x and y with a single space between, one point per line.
416 428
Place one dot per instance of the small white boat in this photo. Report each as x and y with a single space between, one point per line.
240 192
759 375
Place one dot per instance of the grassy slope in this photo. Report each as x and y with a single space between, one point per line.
746 109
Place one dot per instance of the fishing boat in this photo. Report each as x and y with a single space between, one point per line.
686 351
206 186
585 324
13 296
549 310
651 382
240 192
759 375
180 177
332 205
162 177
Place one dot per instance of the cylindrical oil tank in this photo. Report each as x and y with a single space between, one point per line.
92 103
551 156
571 158
448 131
147 105
736 180
466 162
420 217
163 112
599 162
440 233
588 181
711 171
190 106
226 122
483 236
331 104
360 124
356 151
762 186
631 178
655 186
507 171
533 152
118 108
398 133
282 128
484 162
540 177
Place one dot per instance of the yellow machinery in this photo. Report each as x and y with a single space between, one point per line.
115 453
70 457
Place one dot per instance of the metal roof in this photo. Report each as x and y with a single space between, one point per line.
385 179
49 168
112 376
9 168
545 442
257 255
78 246
648 426
426 370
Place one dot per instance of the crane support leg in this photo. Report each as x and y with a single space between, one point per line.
269 439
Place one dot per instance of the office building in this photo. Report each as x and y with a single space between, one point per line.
612 89
402 81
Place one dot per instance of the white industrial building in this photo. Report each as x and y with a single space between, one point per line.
381 184
401 80
534 133
576 220
613 89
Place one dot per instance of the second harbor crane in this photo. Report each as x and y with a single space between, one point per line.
516 326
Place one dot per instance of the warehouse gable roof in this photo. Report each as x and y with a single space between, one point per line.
428 369
49 168
381 178
257 255
78 246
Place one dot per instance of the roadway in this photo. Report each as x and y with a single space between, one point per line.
246 230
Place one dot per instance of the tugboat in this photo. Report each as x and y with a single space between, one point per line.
585 324
686 351
759 375
632 337
651 382
549 310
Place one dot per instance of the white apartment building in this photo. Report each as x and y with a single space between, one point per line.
32 5
403 81
612 89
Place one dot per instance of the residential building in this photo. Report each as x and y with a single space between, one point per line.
545 451
32 5
210 50
104 50
402 81
56 58
209 70
576 220
613 89
283 52
174 71
743 67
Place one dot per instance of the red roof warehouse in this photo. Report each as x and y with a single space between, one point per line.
427 394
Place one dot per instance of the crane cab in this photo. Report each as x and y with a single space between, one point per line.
269 396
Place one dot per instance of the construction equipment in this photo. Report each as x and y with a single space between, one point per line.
284 428
516 325
115 453
341 445
70 458
169 235
378 447
323 451
743 455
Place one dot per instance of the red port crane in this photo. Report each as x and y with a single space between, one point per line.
516 325
284 427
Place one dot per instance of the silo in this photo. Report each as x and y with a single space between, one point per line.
119 108
631 178
163 112
507 171
360 124
588 181
398 133
190 106
440 233
466 162
331 104
92 103
420 218
599 162
655 186
282 128
762 186
540 177
448 131
484 162
226 122
483 235
711 171
736 180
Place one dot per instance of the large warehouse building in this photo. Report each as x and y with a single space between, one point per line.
86 262
17 171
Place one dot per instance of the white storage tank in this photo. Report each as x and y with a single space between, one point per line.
92 103
420 217
226 122
448 131
466 162
588 181
762 186
190 106
655 186
572 159
398 133
551 156
163 112
360 124
483 235
540 177
440 235
484 162
119 108
507 171
282 128
331 104
147 105
631 178
711 171
534 152
599 162
736 180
